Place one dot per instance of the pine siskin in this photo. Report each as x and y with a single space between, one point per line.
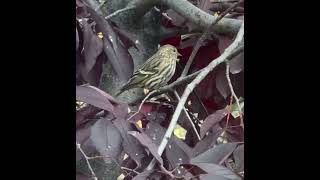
156 71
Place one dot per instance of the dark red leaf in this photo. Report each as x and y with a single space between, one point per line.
147 142
216 172
222 83
130 144
212 120
215 154
95 97
107 139
92 46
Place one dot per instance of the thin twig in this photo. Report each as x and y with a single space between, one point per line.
188 117
119 11
203 37
100 6
161 103
229 112
222 58
163 14
149 94
233 93
201 103
87 160
223 1
131 170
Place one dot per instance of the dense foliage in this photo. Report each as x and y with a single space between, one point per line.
113 137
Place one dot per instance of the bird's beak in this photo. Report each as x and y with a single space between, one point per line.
179 54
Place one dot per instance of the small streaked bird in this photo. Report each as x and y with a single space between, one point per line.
156 71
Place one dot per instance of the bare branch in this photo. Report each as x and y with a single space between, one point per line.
118 12
204 36
87 159
149 94
203 19
233 93
204 72
188 117
100 6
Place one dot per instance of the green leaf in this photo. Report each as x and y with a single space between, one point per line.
235 110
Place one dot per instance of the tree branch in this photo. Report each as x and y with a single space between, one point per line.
233 93
188 117
203 19
118 12
204 36
87 160
192 85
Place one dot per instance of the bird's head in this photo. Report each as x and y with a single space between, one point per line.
169 50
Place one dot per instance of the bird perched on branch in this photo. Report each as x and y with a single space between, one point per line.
156 71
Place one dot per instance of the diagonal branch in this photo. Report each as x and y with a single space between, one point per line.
204 37
188 117
192 85
203 19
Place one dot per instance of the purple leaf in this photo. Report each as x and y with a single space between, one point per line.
93 76
238 156
212 120
215 154
130 144
121 110
236 64
143 176
84 114
147 142
176 151
130 39
80 176
92 46
118 56
82 137
94 96
222 83
216 172
107 139
79 3
77 39
207 142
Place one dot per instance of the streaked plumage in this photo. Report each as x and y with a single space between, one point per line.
156 71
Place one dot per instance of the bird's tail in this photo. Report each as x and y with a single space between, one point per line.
123 88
